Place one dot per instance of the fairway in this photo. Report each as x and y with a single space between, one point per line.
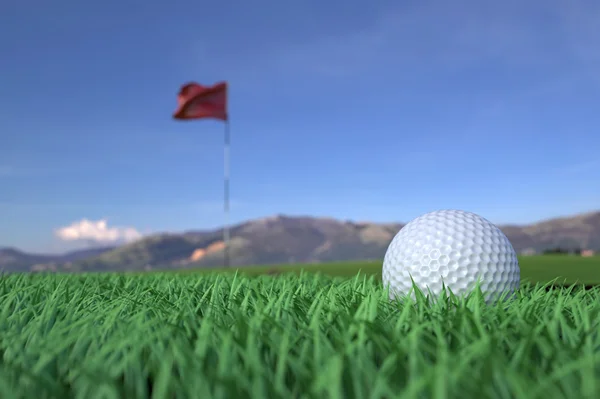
535 269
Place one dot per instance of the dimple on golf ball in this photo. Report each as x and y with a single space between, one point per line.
454 248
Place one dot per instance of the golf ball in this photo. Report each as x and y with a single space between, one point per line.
454 248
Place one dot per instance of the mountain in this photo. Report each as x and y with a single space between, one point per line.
84 254
279 239
13 260
286 239
579 231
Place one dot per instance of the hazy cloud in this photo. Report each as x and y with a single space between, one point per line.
452 35
5 171
24 171
580 168
97 231
212 206
11 171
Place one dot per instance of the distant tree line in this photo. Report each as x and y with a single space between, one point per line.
563 251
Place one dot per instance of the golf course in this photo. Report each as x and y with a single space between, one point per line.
562 269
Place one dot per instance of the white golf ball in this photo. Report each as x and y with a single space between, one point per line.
454 248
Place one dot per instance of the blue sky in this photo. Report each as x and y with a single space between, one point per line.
378 111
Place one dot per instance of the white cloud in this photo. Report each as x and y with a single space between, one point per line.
97 231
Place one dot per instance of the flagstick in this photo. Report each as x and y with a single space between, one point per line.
226 197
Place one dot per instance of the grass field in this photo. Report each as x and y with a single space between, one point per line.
222 335
542 268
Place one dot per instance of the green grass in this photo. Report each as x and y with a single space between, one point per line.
288 336
542 268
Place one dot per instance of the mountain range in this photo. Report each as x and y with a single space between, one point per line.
285 239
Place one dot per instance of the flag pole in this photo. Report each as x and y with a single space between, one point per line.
226 195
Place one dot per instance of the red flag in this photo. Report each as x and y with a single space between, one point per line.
197 102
